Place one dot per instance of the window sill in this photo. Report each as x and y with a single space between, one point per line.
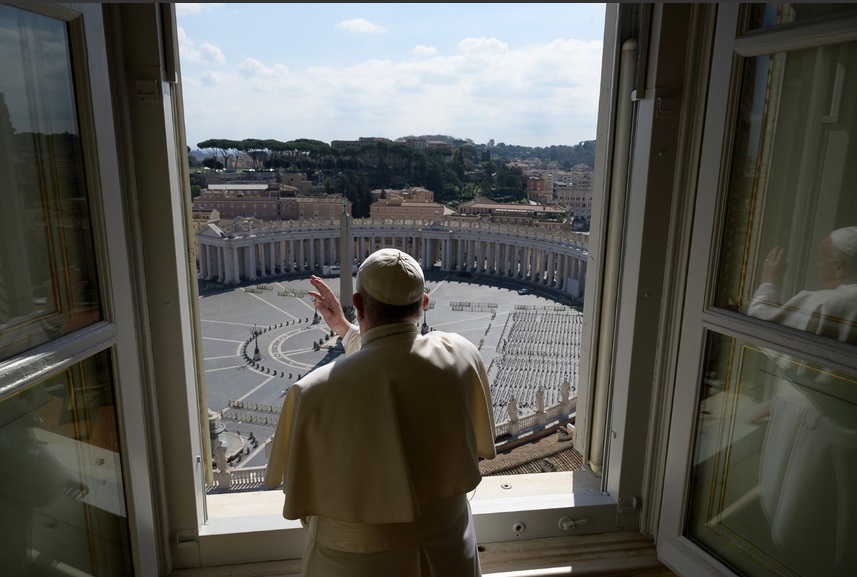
261 510
625 554
500 505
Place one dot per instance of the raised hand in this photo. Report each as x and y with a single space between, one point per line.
774 267
328 306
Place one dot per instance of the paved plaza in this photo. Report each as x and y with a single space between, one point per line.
248 393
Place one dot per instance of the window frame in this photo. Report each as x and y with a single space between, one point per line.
700 313
117 331
199 540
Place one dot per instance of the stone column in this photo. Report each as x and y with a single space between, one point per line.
250 252
221 264
235 273
551 269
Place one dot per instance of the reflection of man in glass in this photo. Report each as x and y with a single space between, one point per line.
31 478
808 460
830 311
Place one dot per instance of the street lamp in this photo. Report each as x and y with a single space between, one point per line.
257 356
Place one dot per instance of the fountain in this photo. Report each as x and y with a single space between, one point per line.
225 445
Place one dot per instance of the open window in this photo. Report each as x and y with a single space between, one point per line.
254 525
74 465
765 408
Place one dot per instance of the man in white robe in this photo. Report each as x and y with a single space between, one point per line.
830 311
376 451
809 453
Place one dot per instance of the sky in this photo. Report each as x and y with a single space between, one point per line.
520 74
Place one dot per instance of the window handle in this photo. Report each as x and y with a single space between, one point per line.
567 523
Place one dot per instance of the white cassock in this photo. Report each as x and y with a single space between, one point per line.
377 450
808 470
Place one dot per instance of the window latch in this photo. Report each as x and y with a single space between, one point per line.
567 523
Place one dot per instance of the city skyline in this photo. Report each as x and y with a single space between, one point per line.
519 74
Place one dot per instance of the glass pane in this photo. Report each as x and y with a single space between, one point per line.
773 14
774 463
48 285
789 253
61 488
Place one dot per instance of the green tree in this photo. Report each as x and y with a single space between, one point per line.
222 148
511 182
256 149
276 152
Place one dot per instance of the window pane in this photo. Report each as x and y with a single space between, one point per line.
61 488
773 14
48 285
793 182
775 463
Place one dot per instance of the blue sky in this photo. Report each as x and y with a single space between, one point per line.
523 74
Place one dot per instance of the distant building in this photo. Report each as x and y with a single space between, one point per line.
411 203
297 180
573 190
272 201
244 199
416 143
340 144
412 193
576 200
517 214
538 189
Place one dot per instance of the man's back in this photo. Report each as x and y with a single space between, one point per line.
399 419
378 450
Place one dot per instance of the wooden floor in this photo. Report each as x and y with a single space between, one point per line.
605 555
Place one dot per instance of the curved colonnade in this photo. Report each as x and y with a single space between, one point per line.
248 251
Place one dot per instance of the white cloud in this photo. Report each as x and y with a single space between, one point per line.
483 45
423 51
186 48
535 96
189 8
252 69
212 53
214 78
207 53
360 26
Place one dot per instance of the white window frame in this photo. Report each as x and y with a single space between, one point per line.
200 541
700 315
118 331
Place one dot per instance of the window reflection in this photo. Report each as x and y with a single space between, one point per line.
61 490
774 464
47 275
789 253
773 14
831 310
776 442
